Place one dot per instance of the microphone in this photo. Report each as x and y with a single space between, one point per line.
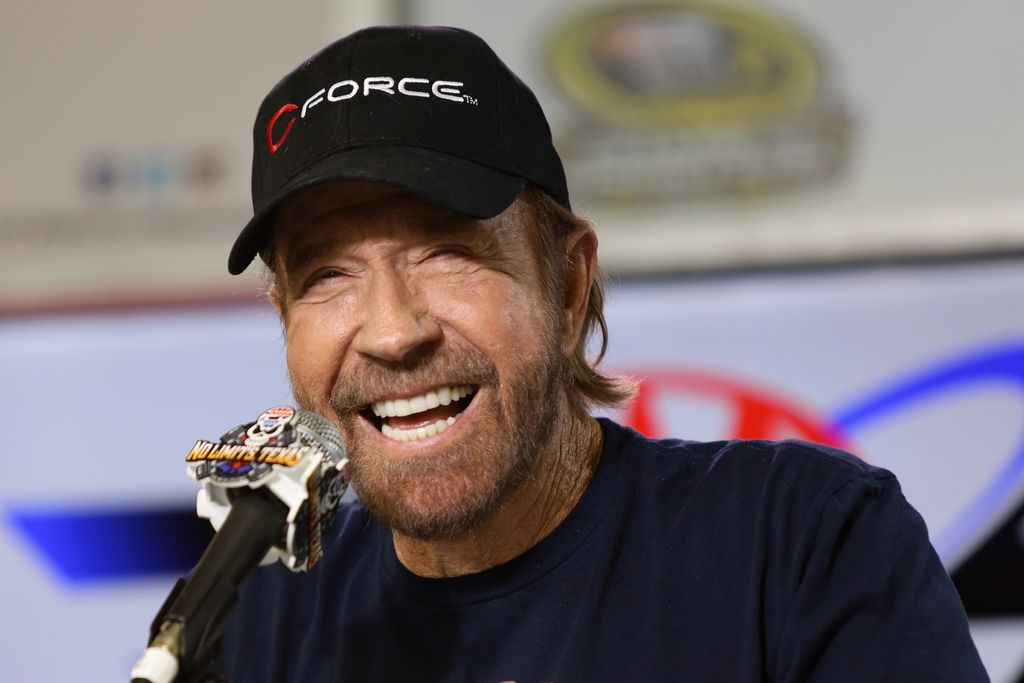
270 488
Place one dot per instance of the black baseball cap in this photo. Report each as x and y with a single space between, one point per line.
432 110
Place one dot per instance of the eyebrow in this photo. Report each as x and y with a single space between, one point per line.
305 254
446 225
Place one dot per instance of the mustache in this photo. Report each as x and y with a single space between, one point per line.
372 379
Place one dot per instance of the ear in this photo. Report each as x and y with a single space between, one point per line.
276 300
581 253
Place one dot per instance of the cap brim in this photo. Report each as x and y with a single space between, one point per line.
455 183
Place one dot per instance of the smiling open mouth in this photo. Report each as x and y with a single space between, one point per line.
423 416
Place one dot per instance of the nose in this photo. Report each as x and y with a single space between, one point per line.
395 321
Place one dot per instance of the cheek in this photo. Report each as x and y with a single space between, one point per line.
314 348
502 320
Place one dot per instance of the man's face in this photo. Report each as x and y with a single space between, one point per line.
426 337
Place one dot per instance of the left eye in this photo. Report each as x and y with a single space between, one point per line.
328 274
449 251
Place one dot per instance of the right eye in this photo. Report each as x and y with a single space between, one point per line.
323 278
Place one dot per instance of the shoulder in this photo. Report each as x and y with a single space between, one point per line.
776 503
747 491
741 465
818 546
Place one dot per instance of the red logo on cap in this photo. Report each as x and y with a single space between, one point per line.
274 146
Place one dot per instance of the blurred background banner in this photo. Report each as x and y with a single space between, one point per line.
813 210
710 134
127 141
701 135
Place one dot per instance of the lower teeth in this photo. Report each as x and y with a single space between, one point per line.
418 433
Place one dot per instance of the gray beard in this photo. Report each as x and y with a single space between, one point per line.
453 493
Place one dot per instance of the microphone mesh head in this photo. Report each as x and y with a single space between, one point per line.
315 429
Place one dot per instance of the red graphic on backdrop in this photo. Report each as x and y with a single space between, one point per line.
755 413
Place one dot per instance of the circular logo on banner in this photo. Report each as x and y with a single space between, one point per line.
691 100
687 63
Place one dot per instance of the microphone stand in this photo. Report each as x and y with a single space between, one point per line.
277 509
185 636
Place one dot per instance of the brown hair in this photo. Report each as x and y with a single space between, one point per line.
555 223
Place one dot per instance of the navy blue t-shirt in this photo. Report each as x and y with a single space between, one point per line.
730 561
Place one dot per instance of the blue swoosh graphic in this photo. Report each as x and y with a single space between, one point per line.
1002 364
90 544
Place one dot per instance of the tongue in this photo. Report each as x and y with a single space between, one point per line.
427 417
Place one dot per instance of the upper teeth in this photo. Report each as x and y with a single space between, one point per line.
400 407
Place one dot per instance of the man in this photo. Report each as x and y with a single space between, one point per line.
437 295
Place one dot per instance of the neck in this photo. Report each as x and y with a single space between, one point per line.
539 505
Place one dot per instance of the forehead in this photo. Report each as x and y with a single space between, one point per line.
343 213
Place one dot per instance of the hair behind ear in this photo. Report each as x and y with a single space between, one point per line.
555 224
